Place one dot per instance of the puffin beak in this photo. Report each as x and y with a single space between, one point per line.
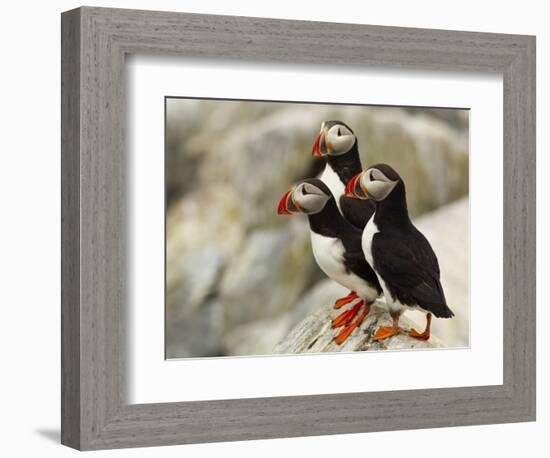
282 209
351 188
316 148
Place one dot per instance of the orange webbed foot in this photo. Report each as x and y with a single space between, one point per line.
345 300
385 332
348 329
419 335
346 316
422 335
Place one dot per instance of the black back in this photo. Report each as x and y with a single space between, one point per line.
404 258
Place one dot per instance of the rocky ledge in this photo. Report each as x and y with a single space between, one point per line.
314 334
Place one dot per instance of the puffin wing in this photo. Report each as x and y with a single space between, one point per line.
410 269
354 258
356 211
356 263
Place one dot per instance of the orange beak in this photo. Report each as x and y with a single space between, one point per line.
282 209
316 148
351 187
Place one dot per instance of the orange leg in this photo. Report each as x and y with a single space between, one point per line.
384 332
426 334
346 316
348 329
345 300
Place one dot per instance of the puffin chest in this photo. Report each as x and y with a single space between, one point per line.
334 183
329 254
371 229
366 241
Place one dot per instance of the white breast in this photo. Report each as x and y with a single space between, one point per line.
332 180
329 254
366 243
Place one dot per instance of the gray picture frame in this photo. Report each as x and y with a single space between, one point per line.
95 410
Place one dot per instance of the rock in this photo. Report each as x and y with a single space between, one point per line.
256 338
267 277
206 216
197 333
181 163
321 293
202 233
314 334
260 336
192 279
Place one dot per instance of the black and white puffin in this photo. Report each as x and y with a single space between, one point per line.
338 143
401 256
336 245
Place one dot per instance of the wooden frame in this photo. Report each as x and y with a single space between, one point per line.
95 413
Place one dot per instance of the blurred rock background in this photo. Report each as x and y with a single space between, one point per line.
239 276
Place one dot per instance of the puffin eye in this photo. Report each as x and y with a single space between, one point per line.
339 133
304 192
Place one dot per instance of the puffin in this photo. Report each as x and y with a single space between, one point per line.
400 255
337 142
336 245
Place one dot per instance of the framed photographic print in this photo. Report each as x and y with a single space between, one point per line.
241 280
269 234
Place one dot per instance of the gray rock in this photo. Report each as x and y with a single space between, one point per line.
206 216
314 334
267 277
201 235
256 338
197 333
260 336
193 278
322 293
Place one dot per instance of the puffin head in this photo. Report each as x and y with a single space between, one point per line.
335 138
376 183
307 197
